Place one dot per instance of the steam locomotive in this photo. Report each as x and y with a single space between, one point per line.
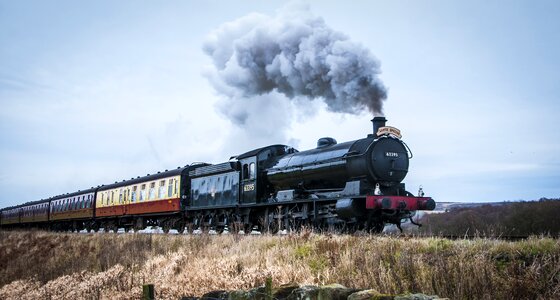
343 187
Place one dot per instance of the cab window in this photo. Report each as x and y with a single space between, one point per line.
245 171
252 171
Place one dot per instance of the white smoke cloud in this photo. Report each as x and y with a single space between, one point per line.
295 55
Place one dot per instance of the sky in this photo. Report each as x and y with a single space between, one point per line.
100 91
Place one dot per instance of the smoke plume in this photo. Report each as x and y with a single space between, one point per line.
297 55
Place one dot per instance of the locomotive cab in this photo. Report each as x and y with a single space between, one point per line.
254 186
249 186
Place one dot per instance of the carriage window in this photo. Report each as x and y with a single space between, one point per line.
120 196
170 188
143 193
152 193
252 171
133 196
161 191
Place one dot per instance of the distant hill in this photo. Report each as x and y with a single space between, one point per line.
494 218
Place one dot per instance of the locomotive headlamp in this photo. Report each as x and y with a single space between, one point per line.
377 190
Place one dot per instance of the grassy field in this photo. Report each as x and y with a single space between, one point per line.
41 265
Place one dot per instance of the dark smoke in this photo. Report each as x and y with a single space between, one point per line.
296 55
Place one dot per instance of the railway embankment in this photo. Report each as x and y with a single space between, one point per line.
44 265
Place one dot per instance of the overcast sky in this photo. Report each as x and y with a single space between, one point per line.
93 92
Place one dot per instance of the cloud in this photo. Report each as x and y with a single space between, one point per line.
295 57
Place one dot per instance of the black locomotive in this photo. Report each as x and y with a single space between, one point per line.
347 186
350 186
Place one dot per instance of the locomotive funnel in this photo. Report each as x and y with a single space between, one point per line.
378 122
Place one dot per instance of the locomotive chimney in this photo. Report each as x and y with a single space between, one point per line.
378 122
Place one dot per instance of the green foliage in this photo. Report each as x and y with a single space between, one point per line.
318 264
302 251
439 245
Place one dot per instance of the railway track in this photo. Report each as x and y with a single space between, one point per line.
159 230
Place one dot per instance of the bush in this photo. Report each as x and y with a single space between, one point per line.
40 265
507 219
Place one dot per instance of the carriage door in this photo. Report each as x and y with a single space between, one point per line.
249 180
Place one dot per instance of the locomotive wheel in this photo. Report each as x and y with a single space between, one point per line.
220 229
273 227
377 227
351 228
165 226
181 228
189 227
298 225
237 227
138 225
247 228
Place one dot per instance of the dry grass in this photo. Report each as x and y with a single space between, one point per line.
39 265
